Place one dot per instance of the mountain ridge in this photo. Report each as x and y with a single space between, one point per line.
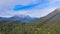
22 18
48 17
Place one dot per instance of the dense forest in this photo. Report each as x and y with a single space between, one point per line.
17 27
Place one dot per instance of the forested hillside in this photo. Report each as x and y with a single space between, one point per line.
17 27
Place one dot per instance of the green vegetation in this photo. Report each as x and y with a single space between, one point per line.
17 27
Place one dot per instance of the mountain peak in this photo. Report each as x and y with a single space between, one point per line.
21 16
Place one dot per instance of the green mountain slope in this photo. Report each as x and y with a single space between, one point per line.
49 24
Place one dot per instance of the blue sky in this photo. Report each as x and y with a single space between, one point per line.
33 8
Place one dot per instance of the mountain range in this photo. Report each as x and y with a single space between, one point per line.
22 18
54 15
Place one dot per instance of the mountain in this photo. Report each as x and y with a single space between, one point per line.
49 24
50 19
53 15
22 18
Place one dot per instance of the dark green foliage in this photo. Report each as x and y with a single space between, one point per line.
16 27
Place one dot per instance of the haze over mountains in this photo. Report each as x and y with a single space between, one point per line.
22 18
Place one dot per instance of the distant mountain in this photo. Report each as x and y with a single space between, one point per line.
1 18
22 18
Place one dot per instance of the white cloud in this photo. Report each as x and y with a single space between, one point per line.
13 2
54 1
40 12
6 7
33 13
